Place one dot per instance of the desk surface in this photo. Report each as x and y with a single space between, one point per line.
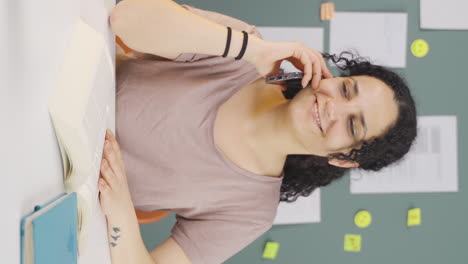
38 33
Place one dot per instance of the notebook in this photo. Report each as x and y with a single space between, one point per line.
49 233
81 108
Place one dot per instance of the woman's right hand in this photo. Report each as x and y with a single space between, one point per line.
268 55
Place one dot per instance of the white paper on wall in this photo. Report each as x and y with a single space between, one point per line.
379 36
431 165
304 210
311 37
447 14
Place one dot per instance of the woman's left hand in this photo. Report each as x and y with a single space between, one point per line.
114 194
268 55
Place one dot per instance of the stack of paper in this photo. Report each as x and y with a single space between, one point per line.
80 112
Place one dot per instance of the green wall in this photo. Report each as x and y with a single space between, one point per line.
439 85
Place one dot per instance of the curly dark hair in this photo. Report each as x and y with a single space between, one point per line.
304 173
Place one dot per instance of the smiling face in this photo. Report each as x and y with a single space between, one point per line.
342 113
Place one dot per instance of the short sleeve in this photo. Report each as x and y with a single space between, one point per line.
220 19
214 241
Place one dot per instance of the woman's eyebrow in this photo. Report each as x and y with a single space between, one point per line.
363 123
355 86
361 115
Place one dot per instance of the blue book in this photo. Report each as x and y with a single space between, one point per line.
49 233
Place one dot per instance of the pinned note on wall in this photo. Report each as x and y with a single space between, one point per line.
446 15
327 11
363 219
271 250
352 243
381 36
414 217
309 36
430 166
419 48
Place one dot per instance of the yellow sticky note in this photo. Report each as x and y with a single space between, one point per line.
414 217
352 243
419 48
271 250
363 219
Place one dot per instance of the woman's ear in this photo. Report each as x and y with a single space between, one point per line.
343 163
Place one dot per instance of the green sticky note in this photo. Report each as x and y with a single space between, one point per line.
271 249
352 243
414 217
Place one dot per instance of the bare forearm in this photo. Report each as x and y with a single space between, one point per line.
125 242
164 28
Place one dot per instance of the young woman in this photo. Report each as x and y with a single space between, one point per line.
202 134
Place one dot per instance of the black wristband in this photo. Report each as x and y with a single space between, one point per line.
228 42
244 45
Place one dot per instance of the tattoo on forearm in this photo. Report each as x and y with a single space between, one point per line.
116 230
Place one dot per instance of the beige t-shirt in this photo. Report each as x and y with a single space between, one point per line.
165 112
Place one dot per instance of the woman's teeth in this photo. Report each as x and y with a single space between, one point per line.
317 115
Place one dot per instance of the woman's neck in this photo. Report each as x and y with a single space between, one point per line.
253 129
269 131
265 128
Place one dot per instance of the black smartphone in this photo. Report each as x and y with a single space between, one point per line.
280 79
292 89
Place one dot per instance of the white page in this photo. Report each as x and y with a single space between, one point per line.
310 36
303 210
430 166
447 14
379 36
98 115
